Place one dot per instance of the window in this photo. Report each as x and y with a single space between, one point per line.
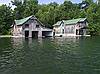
26 25
37 26
70 29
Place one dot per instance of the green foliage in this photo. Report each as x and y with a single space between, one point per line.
93 16
31 7
25 8
6 19
53 12
94 29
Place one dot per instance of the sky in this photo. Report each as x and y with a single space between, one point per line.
41 1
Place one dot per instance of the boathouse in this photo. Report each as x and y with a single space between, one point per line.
74 27
30 27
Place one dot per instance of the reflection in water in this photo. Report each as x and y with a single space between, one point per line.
50 56
17 43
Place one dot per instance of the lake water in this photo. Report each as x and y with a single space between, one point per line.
50 55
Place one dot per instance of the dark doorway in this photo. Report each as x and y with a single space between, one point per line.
81 32
26 34
46 33
53 33
34 34
77 32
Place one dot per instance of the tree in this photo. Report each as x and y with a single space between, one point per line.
25 8
31 7
48 14
18 11
6 19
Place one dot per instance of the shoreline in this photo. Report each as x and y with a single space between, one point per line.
10 36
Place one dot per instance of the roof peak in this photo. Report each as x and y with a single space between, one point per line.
21 21
24 18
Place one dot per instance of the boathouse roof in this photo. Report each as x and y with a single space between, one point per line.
70 22
21 21
74 21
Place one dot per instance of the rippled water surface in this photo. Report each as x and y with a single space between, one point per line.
50 55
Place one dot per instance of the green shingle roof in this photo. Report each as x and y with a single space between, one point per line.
70 22
74 21
82 19
21 21
58 23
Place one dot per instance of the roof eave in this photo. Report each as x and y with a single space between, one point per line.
19 25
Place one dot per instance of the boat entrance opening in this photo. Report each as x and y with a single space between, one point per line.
26 34
34 34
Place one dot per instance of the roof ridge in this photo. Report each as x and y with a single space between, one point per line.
73 21
21 21
24 18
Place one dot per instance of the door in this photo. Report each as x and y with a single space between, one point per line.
34 34
26 34
77 32
81 32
